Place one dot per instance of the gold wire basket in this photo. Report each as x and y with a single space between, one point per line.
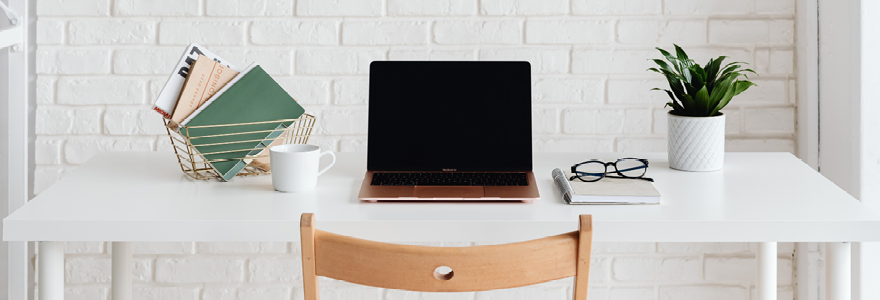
195 165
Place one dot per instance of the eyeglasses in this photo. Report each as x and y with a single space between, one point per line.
594 170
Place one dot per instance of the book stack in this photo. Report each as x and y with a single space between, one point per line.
237 114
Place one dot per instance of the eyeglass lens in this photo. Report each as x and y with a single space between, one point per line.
630 167
591 171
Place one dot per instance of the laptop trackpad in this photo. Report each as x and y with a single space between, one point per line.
449 191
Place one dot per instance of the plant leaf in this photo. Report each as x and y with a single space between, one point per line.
696 82
673 79
683 60
742 86
670 58
699 75
675 107
721 104
687 102
747 75
664 52
669 74
712 69
686 75
720 90
676 87
680 53
729 73
730 69
668 92
735 62
662 64
702 100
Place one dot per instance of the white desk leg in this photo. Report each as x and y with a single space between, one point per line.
121 272
837 271
51 271
767 271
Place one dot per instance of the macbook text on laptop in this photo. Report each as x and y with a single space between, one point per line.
449 131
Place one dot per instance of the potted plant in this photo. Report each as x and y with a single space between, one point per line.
698 93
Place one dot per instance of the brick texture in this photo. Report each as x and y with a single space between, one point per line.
50 32
616 7
314 62
73 62
339 8
202 32
275 269
110 31
101 63
384 33
478 32
294 33
138 61
431 7
73 8
569 32
199 269
542 60
523 7
249 8
156 8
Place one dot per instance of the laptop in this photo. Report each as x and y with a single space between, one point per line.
449 131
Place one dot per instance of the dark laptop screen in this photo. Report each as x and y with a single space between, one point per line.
462 116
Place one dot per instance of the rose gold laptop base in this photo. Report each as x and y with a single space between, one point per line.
375 193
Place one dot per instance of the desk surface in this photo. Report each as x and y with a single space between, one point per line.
143 196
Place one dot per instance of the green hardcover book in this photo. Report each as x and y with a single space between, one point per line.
252 96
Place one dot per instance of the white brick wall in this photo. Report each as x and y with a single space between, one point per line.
100 64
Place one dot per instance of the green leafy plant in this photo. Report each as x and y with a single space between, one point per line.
700 91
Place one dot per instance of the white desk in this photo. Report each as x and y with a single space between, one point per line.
122 197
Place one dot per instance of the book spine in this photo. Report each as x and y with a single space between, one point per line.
563 185
162 112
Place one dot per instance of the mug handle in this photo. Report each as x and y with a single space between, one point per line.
332 161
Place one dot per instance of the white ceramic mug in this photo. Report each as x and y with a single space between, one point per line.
295 167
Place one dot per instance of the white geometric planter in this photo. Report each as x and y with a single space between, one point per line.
696 143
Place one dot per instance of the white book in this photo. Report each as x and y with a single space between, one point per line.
605 191
167 99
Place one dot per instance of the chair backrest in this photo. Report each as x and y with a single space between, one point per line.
419 268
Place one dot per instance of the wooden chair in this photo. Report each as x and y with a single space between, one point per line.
419 268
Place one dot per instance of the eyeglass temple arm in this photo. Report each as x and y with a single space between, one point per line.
633 168
592 174
642 178
597 174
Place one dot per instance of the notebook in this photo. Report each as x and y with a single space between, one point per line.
605 191
252 96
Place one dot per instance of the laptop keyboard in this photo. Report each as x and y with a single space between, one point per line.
441 179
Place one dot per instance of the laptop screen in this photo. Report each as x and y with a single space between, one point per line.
449 116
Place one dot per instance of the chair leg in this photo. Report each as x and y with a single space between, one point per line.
585 245
307 238
310 288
